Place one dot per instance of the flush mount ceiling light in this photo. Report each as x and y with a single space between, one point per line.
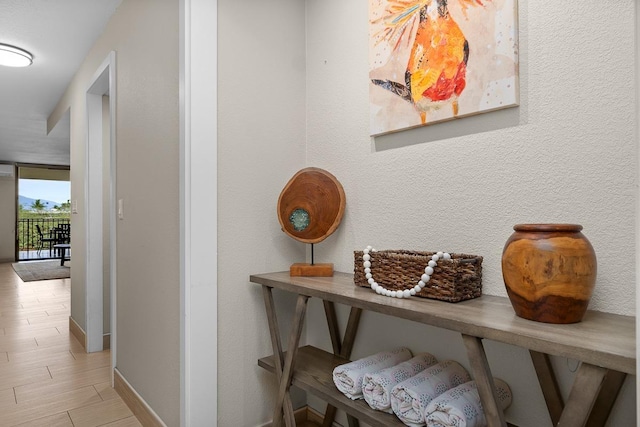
12 56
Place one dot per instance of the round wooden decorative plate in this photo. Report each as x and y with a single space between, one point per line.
311 205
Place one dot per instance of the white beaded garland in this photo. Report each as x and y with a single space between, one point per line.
406 293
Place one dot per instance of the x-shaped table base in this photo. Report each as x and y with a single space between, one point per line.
284 364
589 404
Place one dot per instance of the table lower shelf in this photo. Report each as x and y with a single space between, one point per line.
313 373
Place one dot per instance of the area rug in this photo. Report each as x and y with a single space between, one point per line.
42 270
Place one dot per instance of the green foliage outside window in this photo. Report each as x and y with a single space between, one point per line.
47 220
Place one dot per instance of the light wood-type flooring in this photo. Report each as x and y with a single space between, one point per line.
46 377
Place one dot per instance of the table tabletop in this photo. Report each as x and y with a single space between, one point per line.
602 339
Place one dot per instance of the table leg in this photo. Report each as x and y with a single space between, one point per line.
332 323
586 388
591 403
277 347
283 401
548 385
350 332
484 380
341 348
606 398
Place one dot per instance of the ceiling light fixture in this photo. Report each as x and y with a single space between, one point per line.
12 56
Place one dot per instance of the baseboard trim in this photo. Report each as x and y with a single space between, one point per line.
306 414
81 336
78 332
316 417
135 402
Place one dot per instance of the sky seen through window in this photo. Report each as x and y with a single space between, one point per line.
55 191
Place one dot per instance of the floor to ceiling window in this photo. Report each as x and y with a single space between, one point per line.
43 211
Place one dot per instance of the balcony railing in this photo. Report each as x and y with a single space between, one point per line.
30 244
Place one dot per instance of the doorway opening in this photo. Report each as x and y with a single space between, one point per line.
99 215
43 217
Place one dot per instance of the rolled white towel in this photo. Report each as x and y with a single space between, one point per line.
461 407
410 397
376 386
348 377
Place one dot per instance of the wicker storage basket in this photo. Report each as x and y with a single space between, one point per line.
457 279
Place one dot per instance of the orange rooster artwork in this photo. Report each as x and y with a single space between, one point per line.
435 60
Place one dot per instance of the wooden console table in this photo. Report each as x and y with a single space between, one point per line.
604 343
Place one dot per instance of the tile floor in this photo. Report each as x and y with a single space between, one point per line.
46 377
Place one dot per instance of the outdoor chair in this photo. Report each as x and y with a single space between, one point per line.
61 234
66 232
42 240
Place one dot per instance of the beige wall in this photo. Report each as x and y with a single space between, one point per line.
144 35
7 219
45 172
261 144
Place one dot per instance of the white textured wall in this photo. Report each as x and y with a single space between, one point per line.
567 154
261 133
144 34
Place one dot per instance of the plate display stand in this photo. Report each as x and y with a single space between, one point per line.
310 209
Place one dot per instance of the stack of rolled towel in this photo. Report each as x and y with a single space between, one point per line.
419 390
349 377
461 407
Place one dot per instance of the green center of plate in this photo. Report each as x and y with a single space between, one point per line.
300 219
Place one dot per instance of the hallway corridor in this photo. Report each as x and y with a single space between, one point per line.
46 378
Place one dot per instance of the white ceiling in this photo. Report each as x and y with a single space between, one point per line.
59 34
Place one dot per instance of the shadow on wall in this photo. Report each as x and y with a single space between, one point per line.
486 122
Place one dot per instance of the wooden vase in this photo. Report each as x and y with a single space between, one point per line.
549 271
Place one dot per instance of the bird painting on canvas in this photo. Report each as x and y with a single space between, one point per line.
425 42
